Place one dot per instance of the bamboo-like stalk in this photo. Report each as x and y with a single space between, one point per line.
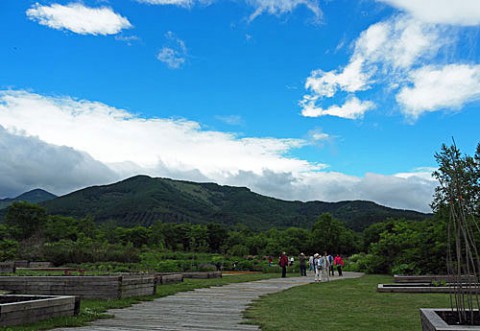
464 259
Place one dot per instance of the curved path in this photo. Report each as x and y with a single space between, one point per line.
208 309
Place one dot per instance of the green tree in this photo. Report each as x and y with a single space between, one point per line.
217 234
331 235
8 249
25 219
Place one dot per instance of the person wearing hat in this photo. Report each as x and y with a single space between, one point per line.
302 259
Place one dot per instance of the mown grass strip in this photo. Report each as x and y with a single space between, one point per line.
350 304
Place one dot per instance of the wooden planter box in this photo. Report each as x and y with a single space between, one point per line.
422 288
168 278
91 287
7 267
432 321
203 275
431 278
25 309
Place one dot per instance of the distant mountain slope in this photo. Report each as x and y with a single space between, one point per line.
142 200
34 196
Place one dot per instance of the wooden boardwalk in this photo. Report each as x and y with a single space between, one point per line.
209 309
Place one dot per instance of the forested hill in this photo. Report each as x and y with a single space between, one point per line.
33 196
142 200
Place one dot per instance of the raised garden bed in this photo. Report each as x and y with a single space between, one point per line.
25 309
431 278
444 320
168 278
423 288
203 275
91 287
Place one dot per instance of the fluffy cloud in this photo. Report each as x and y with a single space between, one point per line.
61 144
398 53
436 88
114 136
352 109
458 12
79 19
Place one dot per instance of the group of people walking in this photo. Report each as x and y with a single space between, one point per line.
323 266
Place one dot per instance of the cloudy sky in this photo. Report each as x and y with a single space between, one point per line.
296 99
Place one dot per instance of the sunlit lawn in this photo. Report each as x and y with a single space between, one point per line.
350 304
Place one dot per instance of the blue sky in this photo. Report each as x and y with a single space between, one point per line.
295 99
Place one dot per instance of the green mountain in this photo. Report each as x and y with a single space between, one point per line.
142 200
34 196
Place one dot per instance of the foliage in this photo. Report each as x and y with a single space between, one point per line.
403 247
25 219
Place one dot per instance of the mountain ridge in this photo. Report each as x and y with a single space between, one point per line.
34 196
142 200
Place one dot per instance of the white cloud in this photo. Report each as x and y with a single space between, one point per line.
175 53
434 88
114 136
58 143
79 19
326 84
231 119
171 58
399 42
272 7
351 109
182 3
458 12
317 135
387 54
280 7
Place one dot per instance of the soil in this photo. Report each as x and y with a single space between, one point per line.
452 318
9 299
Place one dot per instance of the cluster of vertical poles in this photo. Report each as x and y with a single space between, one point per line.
463 264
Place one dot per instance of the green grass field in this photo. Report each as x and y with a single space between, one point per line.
350 304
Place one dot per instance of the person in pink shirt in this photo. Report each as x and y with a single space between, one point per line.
339 263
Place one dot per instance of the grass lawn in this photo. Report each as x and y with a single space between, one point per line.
350 304
95 309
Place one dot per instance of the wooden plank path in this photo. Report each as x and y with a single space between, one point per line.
208 309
